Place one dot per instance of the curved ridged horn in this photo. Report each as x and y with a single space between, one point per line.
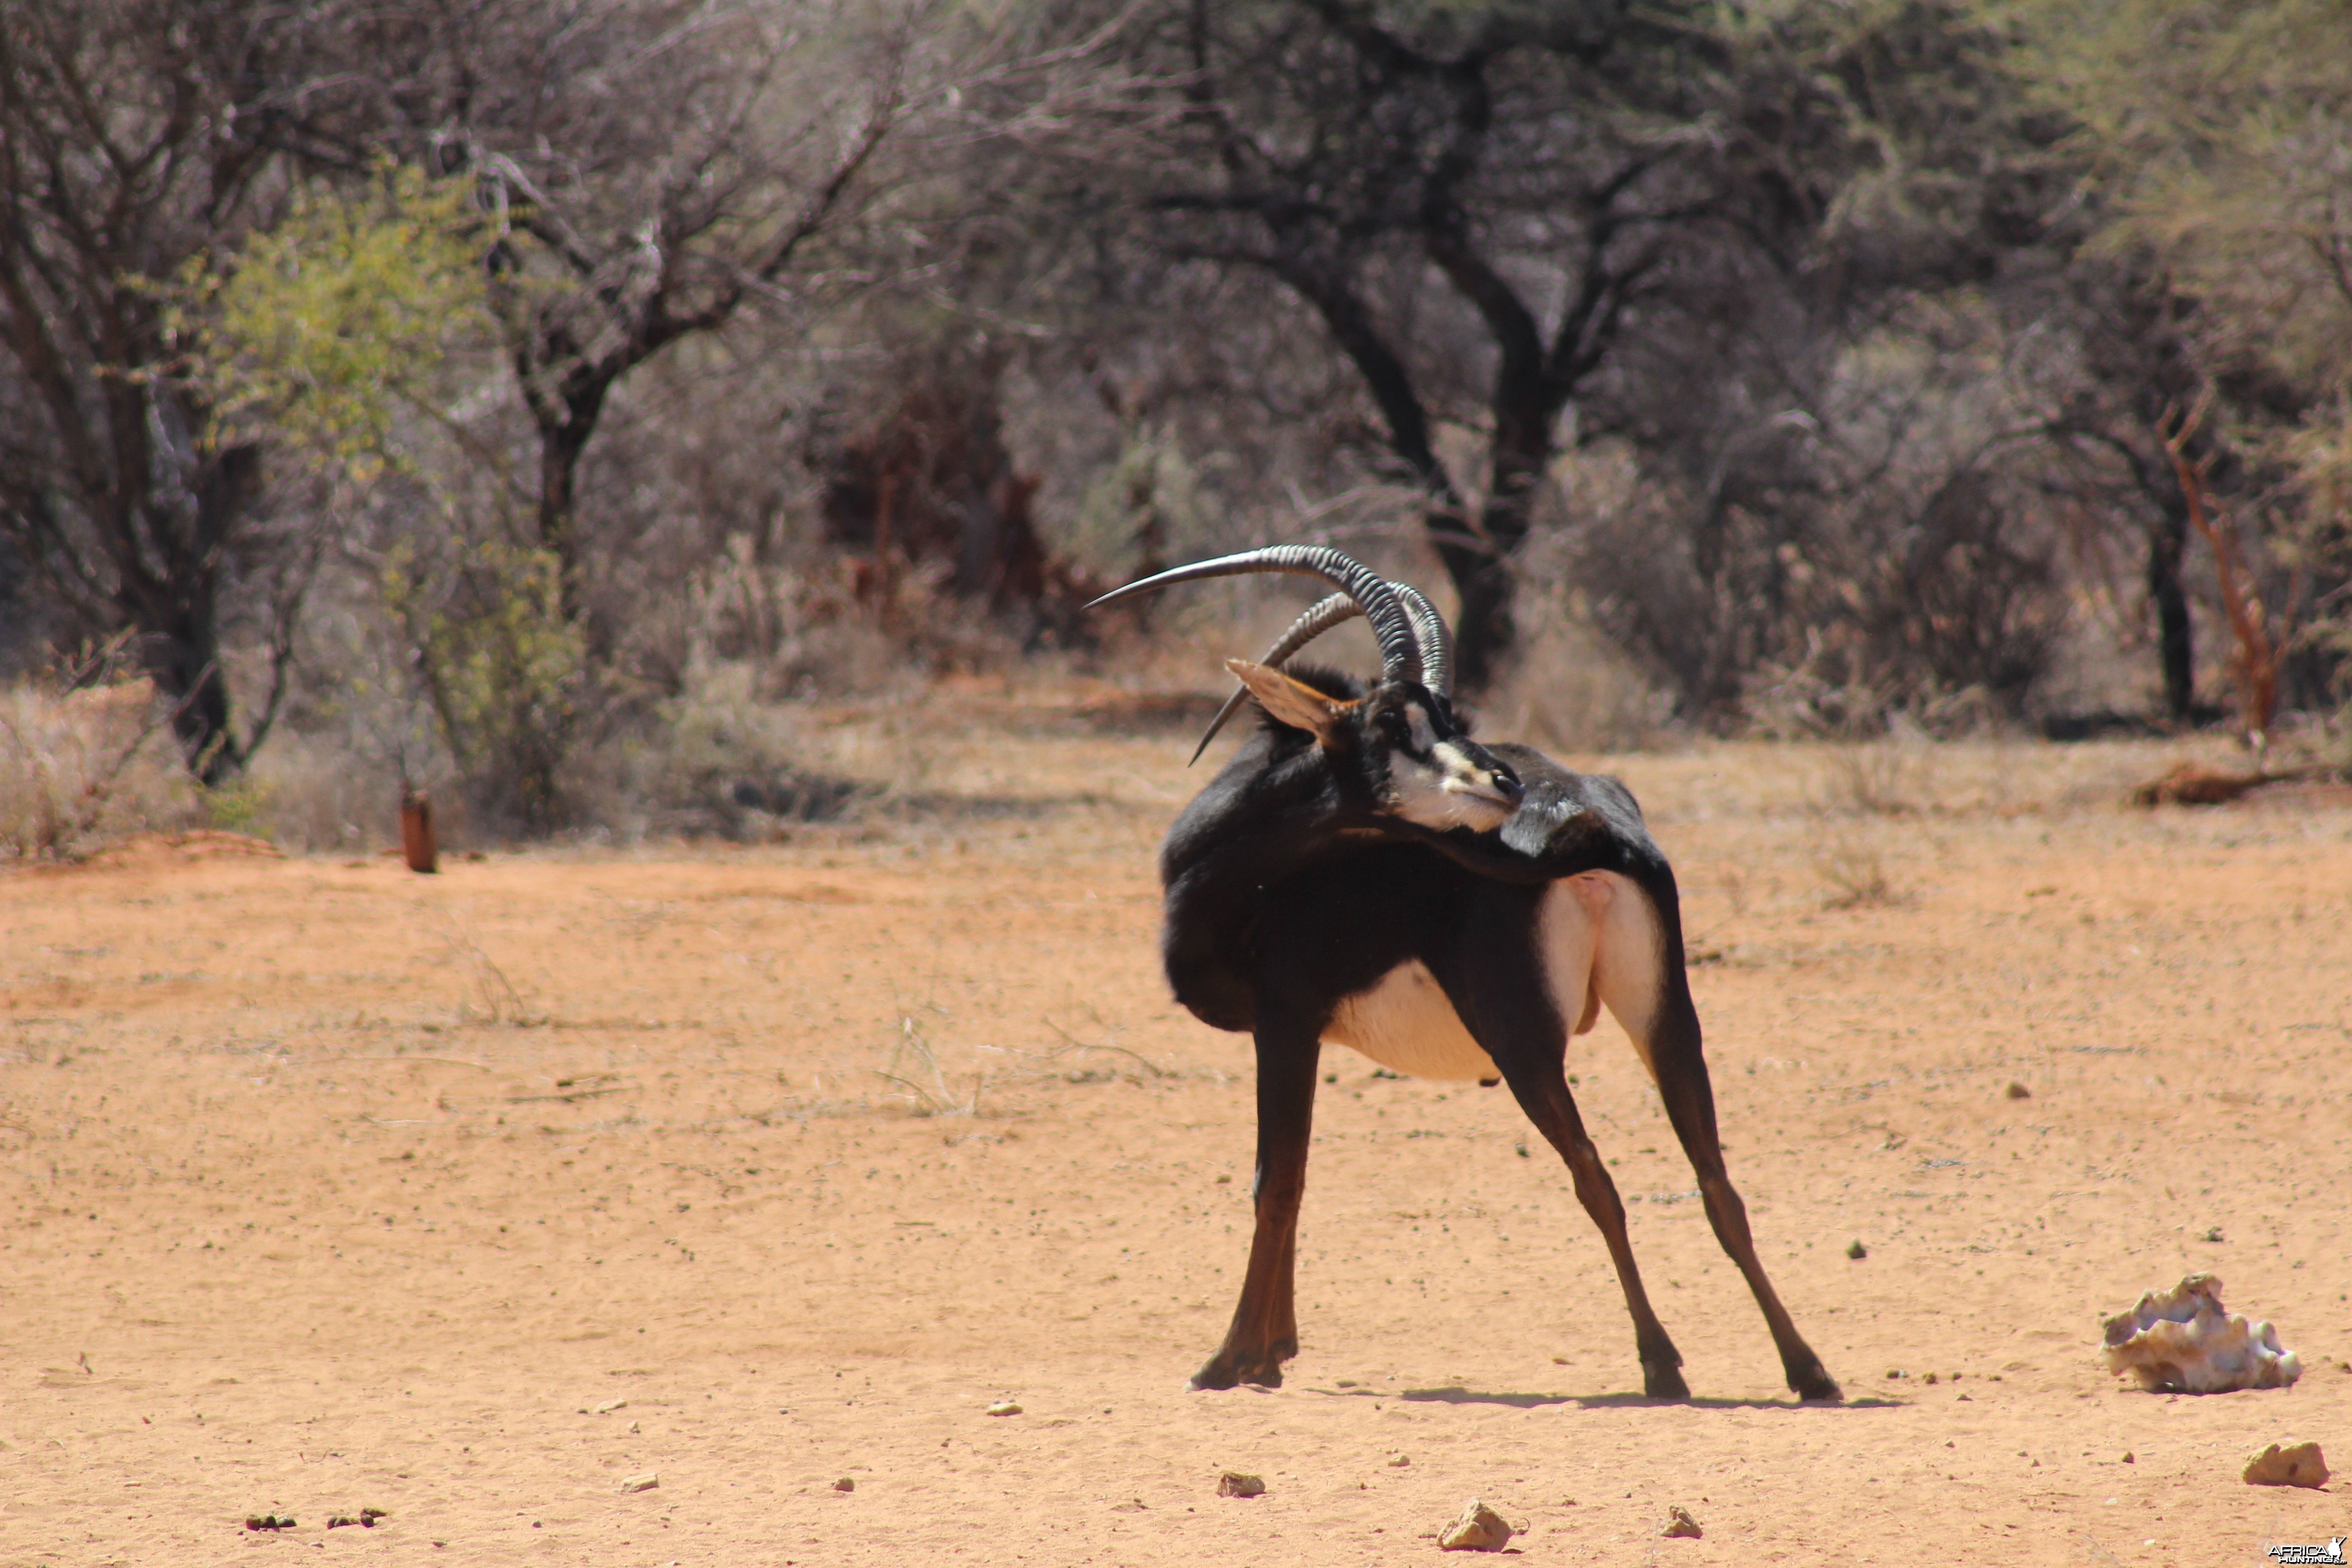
1400 647
1337 610
1429 629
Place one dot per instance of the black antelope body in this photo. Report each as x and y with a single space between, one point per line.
1364 873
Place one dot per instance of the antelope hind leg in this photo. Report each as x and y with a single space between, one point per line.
1639 976
1521 1015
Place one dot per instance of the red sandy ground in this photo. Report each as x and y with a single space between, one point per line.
329 1186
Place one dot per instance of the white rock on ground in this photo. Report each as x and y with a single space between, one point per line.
2182 1342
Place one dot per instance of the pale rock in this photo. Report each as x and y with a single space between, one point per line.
1679 1524
2298 1465
1480 1529
1235 1483
2182 1342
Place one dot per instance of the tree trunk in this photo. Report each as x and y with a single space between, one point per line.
562 440
177 613
1482 568
2175 649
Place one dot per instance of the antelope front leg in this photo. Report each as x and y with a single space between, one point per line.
1264 1331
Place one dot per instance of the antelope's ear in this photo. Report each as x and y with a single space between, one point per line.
1299 706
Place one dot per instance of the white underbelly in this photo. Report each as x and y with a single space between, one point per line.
1406 1025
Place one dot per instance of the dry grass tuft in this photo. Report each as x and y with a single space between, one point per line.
922 1081
82 770
1855 873
1878 778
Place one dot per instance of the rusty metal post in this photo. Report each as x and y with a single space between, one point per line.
416 830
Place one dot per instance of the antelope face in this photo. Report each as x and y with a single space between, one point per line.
1436 775
1406 745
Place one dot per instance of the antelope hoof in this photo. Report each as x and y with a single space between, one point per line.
1815 1385
1662 1380
1226 1370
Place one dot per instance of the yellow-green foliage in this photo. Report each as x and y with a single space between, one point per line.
497 655
237 807
2224 129
2220 133
320 327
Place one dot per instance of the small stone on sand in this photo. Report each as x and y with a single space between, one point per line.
1233 1483
1679 1524
612 1404
644 1483
1480 1529
2017 1090
2299 1465
1856 1251
1005 1407
844 1485
1400 1462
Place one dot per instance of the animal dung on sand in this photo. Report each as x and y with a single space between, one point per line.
2183 1342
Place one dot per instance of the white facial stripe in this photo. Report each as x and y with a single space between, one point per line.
1455 794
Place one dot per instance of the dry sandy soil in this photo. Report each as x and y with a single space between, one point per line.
325 1186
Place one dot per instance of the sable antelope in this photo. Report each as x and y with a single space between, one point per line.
1362 872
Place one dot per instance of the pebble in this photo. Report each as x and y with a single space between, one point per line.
1679 1524
844 1485
1233 1483
2298 1465
612 1404
644 1483
1005 1407
1857 1251
1480 1529
2017 1090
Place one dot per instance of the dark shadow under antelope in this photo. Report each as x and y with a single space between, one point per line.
1364 873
